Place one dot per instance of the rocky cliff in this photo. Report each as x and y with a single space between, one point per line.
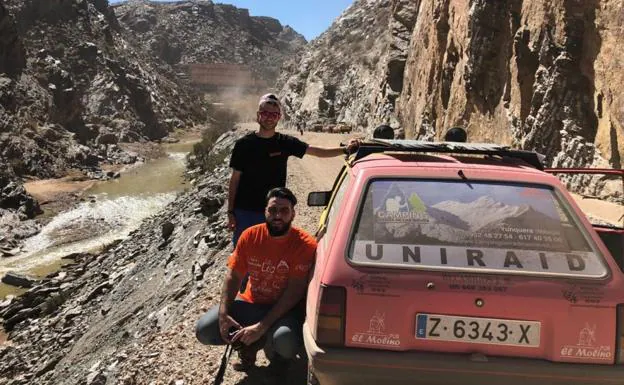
539 75
338 76
199 31
71 86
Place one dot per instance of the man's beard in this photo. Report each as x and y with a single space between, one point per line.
278 230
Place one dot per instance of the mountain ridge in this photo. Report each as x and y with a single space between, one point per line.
532 75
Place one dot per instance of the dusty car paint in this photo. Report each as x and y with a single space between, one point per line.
562 318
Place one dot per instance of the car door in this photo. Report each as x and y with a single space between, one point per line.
324 235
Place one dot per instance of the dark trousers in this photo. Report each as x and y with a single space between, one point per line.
244 220
283 338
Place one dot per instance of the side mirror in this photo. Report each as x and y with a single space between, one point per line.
319 198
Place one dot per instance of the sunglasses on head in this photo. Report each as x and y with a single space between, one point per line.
269 115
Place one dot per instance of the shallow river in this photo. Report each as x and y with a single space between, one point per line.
116 208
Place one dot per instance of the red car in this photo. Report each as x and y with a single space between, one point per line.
444 263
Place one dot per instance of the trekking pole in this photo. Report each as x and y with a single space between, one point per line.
224 361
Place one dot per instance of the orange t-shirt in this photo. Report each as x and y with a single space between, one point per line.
270 262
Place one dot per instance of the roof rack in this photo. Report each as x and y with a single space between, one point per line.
393 145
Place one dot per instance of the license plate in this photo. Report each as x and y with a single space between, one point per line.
477 330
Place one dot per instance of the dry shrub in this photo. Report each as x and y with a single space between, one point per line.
221 121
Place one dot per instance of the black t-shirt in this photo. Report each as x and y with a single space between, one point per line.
262 163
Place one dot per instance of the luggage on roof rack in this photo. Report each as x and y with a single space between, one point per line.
418 146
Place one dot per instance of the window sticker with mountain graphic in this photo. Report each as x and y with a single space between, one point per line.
471 225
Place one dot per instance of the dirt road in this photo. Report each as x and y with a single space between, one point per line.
608 212
313 174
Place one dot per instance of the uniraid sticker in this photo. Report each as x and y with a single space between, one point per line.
452 257
471 227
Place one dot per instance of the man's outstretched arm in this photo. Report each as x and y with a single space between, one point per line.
328 152
325 152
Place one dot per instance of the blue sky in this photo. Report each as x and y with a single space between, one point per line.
309 18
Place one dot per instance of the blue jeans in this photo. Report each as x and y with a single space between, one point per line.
244 220
285 336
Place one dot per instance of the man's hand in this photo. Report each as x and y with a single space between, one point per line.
250 334
352 145
225 324
231 225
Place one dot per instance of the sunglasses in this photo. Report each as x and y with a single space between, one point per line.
269 115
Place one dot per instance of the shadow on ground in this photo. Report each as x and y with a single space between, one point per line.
296 374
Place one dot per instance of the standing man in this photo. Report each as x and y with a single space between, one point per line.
259 162
277 258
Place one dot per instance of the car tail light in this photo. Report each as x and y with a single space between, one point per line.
331 316
619 344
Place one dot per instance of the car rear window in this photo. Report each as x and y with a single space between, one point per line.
471 226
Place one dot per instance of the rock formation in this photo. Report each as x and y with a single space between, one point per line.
534 74
338 76
71 88
70 85
199 31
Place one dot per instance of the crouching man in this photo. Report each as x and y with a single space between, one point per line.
268 314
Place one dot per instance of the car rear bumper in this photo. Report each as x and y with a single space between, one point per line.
367 366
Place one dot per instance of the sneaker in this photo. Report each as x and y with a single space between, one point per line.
246 360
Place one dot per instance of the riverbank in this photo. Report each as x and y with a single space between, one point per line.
107 301
82 214
129 317
57 195
60 194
